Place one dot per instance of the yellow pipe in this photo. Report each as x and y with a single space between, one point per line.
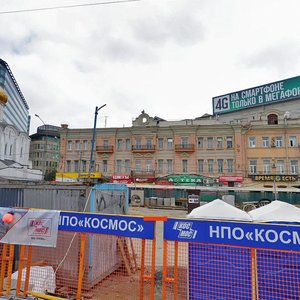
3 266
10 267
44 296
28 265
81 265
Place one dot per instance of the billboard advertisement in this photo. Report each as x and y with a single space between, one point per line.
284 90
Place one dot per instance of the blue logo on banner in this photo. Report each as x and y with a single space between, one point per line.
106 224
270 236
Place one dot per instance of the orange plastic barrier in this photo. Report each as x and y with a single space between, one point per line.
82 266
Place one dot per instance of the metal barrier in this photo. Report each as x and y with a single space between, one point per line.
96 257
227 260
113 257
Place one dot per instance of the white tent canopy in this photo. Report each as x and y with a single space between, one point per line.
219 210
276 211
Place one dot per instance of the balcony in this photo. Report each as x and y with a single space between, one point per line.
104 149
185 147
143 149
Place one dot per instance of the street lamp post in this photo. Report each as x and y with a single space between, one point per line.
91 167
46 145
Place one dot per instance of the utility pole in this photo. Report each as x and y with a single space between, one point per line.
91 167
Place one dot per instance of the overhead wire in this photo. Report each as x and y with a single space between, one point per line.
65 6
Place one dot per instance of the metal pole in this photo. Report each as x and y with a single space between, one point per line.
91 167
46 145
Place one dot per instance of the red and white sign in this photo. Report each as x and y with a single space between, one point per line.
29 227
120 178
231 179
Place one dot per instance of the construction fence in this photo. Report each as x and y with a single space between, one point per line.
101 256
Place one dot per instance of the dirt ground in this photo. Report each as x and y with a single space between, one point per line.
128 287
171 213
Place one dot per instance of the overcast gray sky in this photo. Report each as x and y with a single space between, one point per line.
167 57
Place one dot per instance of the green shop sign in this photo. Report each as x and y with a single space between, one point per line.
278 91
185 179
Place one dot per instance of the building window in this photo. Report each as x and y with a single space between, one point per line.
272 119
160 143
229 142
68 167
119 166
77 143
76 166
149 143
85 145
229 166
220 144
138 165
170 143
138 143
200 143
280 167
220 165
21 152
128 144
105 144
127 166
200 166
184 166
267 166
160 166
119 144
83 165
170 166
265 142
279 142
5 149
148 165
294 166
210 143
253 166
293 141
69 145
184 142
104 166
252 142
10 150
210 165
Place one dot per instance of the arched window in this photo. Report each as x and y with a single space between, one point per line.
272 119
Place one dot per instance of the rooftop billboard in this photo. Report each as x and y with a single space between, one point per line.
270 93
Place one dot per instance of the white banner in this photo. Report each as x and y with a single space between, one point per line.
29 227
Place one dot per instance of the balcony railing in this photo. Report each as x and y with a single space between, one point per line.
185 148
104 149
143 148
